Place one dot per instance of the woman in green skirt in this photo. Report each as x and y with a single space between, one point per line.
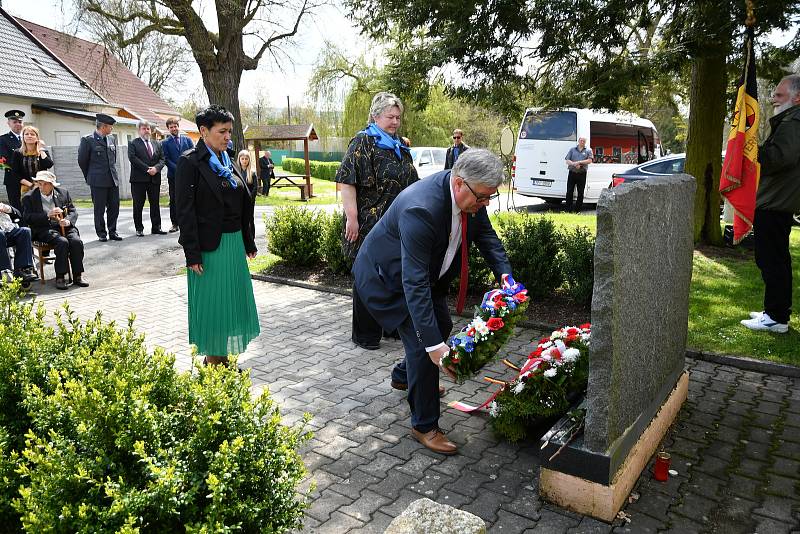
215 215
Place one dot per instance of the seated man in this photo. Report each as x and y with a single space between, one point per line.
51 216
11 235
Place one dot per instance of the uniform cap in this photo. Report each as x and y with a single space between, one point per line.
105 119
14 114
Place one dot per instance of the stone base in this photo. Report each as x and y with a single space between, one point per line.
604 501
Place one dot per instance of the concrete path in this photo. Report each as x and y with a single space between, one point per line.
736 445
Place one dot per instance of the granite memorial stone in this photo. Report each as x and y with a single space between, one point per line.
640 305
425 516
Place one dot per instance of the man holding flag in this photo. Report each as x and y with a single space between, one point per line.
777 199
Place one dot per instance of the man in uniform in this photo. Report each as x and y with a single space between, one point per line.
9 142
97 158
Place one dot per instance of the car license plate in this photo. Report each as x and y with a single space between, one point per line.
542 183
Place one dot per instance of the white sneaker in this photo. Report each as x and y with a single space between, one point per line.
764 322
756 315
6 276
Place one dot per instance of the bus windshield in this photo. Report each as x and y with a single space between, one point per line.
550 125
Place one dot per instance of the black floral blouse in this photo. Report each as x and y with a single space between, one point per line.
379 177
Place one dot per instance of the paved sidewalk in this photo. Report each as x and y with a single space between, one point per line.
736 444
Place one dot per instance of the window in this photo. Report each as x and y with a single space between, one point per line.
550 125
425 158
439 156
670 166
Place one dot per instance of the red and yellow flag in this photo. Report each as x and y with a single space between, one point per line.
741 170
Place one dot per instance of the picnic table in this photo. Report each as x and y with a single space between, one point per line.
287 180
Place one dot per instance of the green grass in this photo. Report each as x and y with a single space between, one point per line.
725 288
723 291
262 262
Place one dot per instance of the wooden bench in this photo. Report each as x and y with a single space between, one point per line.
41 253
285 180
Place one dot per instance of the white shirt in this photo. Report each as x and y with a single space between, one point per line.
147 145
453 246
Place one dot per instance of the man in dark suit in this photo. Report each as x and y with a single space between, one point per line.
267 174
173 146
51 216
405 266
97 158
458 148
9 142
147 160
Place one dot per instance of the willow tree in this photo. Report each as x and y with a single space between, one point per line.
247 30
584 53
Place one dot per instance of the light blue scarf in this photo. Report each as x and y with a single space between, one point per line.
384 140
224 169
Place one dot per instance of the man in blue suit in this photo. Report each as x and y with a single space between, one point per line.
405 266
173 146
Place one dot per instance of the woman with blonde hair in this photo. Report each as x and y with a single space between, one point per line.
30 158
246 168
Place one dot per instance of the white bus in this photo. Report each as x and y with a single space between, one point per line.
619 142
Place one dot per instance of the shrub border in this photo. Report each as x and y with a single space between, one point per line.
740 362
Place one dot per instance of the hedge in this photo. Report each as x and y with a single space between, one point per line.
544 257
323 170
97 434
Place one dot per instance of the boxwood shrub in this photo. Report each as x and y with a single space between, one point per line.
532 245
331 243
98 434
323 170
578 264
295 234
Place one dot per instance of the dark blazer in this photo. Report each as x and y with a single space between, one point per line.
172 151
8 144
267 172
397 268
198 198
448 159
97 159
253 186
141 161
20 170
34 216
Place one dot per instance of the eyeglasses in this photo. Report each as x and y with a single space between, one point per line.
456 137
482 198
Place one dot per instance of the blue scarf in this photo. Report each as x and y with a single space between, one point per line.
223 169
384 140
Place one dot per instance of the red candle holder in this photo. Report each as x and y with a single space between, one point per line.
661 470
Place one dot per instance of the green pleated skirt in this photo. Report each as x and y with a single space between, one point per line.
222 308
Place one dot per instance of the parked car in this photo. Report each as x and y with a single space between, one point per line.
671 164
428 159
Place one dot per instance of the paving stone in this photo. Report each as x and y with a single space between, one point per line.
711 465
525 504
695 507
751 468
345 465
653 504
469 483
339 523
787 467
381 464
679 524
777 508
336 447
394 483
355 483
365 506
746 488
551 522
328 502
639 524
769 525
377 524
590 525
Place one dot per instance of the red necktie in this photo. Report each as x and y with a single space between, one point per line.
462 285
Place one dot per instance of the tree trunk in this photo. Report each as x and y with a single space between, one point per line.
222 87
704 142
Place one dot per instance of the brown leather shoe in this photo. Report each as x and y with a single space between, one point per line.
404 387
436 441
